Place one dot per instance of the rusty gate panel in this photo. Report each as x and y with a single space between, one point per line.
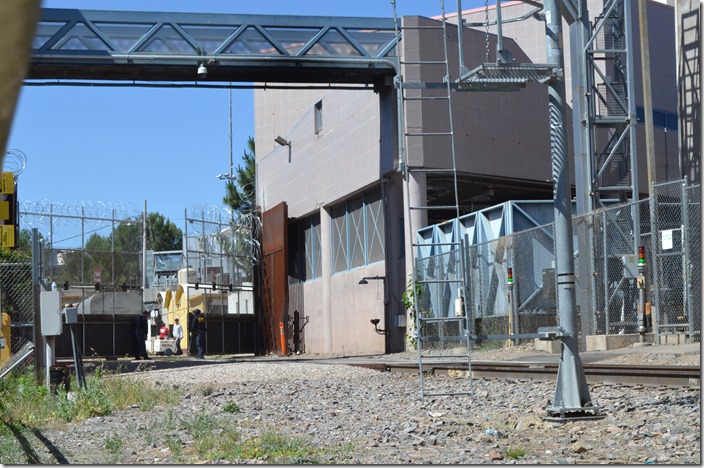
275 276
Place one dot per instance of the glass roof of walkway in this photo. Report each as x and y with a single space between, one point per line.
125 45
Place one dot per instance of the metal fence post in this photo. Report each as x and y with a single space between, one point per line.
39 362
686 276
655 299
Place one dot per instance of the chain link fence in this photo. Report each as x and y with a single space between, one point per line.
16 299
94 256
511 285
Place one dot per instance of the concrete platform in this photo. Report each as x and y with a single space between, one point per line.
609 342
547 346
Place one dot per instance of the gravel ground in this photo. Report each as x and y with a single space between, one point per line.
362 416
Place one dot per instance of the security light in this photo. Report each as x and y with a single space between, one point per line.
364 280
282 141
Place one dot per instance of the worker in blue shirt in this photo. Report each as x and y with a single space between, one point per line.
197 332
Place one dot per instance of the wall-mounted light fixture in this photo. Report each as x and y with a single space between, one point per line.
282 141
364 280
379 331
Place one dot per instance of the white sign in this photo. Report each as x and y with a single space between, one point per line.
97 275
666 239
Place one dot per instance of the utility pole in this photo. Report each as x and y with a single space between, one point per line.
571 392
647 95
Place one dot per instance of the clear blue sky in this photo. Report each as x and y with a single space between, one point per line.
165 146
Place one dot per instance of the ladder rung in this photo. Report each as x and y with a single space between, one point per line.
448 394
443 339
421 27
426 98
431 171
423 85
443 356
429 134
448 207
424 62
443 319
436 244
438 281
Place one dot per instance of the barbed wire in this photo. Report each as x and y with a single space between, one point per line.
15 161
37 213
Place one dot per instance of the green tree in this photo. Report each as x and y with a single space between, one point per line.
241 196
162 234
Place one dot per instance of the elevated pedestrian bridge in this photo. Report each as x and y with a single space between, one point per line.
72 44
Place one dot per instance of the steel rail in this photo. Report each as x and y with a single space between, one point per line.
650 376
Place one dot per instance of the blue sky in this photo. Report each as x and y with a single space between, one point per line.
165 146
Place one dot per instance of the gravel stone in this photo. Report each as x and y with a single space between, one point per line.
358 415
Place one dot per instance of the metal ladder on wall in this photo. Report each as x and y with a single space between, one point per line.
425 324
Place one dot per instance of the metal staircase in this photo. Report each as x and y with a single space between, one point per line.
438 334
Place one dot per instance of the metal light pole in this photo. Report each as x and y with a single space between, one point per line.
229 128
571 392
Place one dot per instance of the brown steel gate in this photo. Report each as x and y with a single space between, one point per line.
275 278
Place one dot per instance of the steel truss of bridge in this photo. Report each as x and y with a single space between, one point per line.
74 44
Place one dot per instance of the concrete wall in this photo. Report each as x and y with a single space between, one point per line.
529 37
498 134
319 168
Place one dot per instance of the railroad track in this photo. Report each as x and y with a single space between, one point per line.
672 376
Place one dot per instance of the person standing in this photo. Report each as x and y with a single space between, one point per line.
164 331
141 324
198 333
178 334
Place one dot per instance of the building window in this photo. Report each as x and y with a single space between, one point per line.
318 117
339 238
358 231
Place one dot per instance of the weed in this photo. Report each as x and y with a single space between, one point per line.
113 444
207 391
231 407
515 453
28 404
173 443
280 449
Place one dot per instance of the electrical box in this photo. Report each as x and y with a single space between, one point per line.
401 320
50 307
71 315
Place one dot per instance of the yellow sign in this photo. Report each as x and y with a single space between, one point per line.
4 209
7 235
7 182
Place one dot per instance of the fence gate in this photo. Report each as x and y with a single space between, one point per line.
676 245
